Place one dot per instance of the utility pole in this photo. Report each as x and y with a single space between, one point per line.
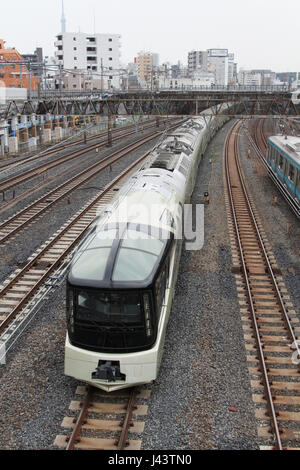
45 78
29 71
60 79
109 133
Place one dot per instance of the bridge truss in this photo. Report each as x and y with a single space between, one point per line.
243 105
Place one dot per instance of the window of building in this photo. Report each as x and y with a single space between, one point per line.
110 40
110 58
75 48
110 49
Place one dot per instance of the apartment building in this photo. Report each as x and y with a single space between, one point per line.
15 75
97 54
146 62
218 62
197 60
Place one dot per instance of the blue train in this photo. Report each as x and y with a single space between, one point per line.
283 158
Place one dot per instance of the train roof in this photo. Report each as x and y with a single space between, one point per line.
289 145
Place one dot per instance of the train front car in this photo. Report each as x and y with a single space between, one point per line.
122 278
283 158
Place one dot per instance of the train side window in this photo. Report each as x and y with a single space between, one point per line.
281 162
291 174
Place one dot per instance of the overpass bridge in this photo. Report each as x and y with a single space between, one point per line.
235 103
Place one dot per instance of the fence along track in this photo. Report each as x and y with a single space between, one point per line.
104 421
34 211
24 284
269 321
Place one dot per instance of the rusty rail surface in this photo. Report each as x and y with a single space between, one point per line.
262 293
25 217
63 146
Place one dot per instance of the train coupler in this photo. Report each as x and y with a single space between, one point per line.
108 371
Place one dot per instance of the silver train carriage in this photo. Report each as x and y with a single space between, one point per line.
121 281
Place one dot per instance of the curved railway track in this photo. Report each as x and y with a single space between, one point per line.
63 146
19 221
260 136
270 323
14 180
91 431
259 143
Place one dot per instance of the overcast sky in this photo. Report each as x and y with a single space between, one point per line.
261 33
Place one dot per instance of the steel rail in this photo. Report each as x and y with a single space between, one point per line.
63 146
82 419
38 171
34 262
122 443
41 270
273 175
54 196
75 436
266 381
264 251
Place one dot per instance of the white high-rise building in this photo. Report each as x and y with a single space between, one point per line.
215 61
97 54
218 61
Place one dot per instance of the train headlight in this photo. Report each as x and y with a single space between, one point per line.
147 314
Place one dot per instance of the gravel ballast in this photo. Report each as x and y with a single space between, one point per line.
202 398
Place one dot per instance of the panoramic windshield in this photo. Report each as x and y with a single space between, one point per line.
109 308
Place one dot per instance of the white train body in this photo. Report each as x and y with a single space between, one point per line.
121 283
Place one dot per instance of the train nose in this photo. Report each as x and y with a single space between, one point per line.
108 371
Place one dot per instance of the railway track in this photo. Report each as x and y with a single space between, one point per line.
19 221
26 286
260 136
259 143
14 180
89 428
63 146
271 325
